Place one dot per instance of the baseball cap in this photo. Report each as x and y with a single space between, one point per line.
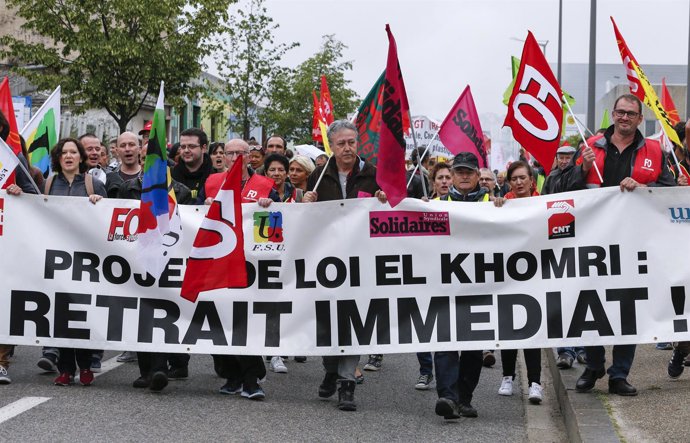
466 160
566 149
147 127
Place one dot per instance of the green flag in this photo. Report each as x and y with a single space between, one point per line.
515 65
605 120
368 121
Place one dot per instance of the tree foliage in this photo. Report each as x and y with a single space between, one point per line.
290 108
248 60
112 54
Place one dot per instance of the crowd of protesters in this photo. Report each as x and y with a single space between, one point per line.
84 167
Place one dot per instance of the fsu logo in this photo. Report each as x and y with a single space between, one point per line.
268 227
561 219
123 225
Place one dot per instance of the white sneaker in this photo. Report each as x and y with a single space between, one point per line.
506 386
4 378
277 365
535 393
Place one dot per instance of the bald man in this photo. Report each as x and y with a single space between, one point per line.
128 151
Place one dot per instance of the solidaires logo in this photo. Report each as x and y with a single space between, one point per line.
561 218
268 227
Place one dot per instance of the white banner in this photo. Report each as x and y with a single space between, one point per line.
425 130
355 277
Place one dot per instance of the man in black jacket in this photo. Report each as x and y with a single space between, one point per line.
195 164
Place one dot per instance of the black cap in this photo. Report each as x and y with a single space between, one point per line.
466 160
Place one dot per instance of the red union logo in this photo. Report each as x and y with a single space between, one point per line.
561 218
121 224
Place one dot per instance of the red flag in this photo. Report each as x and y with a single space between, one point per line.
258 186
535 111
217 257
461 130
390 169
667 103
627 57
7 108
315 129
326 102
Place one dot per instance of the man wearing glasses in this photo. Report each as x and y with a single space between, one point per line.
195 165
628 160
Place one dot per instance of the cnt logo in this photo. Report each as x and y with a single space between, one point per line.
561 218
122 225
268 227
680 215
2 213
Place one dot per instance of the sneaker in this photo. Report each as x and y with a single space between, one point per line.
675 365
564 361
4 378
178 373
467 410
374 363
346 396
329 385
255 393
277 365
159 380
64 379
506 386
424 382
48 363
95 364
231 388
142 382
582 357
664 346
86 377
488 359
127 357
535 393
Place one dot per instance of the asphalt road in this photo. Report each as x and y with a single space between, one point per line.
389 408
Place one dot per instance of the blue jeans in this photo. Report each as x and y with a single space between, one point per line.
426 363
456 378
623 356
571 351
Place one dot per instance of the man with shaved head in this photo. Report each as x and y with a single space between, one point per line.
128 151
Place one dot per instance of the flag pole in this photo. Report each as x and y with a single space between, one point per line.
419 160
583 125
577 123
33 183
318 182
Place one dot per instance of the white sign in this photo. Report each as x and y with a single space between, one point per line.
355 277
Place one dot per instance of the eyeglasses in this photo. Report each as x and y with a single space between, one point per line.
255 148
233 153
621 113
190 147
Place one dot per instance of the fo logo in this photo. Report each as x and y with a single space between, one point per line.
2 213
561 218
122 225
268 227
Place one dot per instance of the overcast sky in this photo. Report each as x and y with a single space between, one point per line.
444 45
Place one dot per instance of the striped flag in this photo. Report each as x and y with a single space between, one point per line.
43 131
160 226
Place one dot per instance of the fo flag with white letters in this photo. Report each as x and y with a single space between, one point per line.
535 112
217 258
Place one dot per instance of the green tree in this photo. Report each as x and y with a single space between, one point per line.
247 60
112 54
290 107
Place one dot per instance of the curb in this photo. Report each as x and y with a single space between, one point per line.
586 418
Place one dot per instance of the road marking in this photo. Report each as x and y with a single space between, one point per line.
106 366
19 406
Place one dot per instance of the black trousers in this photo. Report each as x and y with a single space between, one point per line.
70 358
150 362
241 368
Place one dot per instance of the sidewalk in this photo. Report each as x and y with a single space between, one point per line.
659 413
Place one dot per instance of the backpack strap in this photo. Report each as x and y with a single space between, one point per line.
49 184
88 181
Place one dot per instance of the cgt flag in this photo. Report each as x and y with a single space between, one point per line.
642 89
160 226
217 257
667 103
326 102
390 169
535 112
315 127
461 130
